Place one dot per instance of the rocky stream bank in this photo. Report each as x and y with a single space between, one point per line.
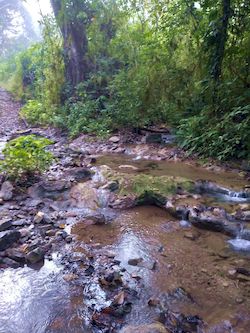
128 238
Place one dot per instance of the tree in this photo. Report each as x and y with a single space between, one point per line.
73 18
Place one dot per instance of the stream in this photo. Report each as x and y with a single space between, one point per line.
161 263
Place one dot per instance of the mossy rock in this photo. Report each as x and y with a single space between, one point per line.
149 189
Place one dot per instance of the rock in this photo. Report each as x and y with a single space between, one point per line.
119 299
153 302
114 139
38 217
7 238
50 232
207 219
152 328
128 166
83 195
5 224
135 261
51 189
10 263
112 186
35 256
19 223
6 192
192 235
70 277
16 255
68 239
98 219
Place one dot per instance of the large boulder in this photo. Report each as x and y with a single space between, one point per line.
152 328
7 238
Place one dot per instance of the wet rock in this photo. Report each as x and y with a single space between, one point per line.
83 195
152 328
119 299
35 255
90 270
114 139
128 166
209 220
5 224
70 277
135 261
192 235
111 279
124 203
97 219
51 189
153 302
112 186
16 255
11 263
6 192
7 238
206 187
68 239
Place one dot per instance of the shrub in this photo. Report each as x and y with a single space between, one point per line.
26 156
224 138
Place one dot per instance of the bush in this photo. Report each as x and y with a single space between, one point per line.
26 156
224 137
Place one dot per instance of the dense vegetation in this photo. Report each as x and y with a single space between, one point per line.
106 65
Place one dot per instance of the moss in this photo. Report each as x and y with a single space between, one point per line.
147 188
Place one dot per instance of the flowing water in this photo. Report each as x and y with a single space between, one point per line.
173 257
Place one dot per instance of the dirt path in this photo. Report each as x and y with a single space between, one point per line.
9 114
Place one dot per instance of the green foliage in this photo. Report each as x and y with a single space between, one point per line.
225 137
83 116
26 156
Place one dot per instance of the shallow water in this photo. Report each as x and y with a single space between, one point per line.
179 169
41 301
151 234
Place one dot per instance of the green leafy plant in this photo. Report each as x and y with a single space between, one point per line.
26 156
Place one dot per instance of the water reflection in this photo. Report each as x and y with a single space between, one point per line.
29 299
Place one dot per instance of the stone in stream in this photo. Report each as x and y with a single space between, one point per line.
6 192
11 263
152 328
135 261
7 238
35 255
210 220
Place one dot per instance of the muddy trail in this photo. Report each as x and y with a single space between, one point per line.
122 237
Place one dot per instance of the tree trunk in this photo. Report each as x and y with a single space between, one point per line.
75 45
221 41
